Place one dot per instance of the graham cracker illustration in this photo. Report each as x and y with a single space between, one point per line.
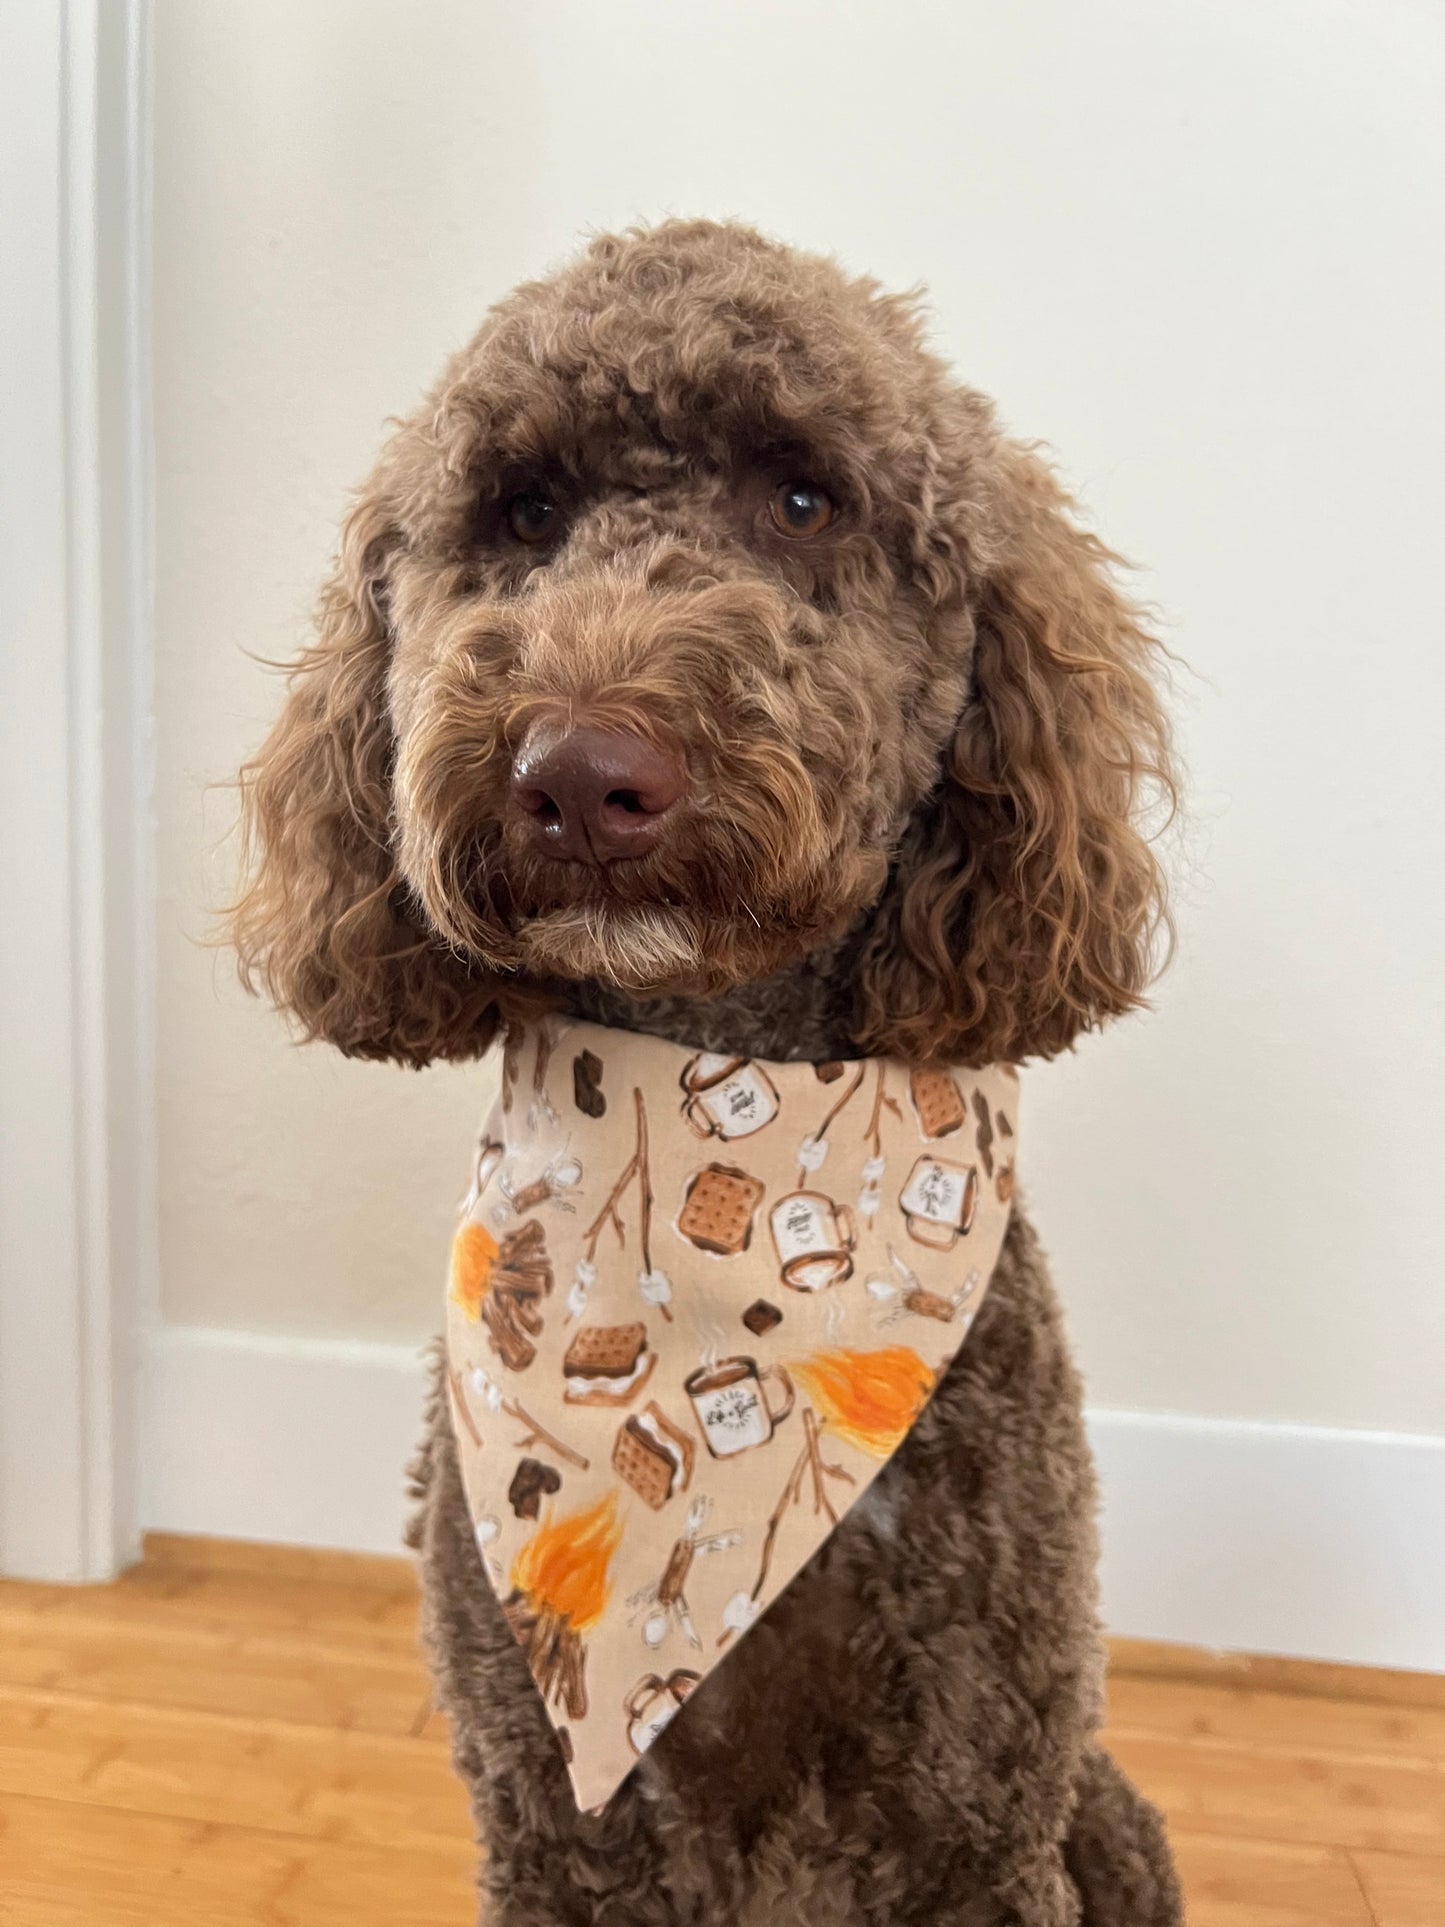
938 1102
717 1213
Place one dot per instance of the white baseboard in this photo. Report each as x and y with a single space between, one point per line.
1299 1540
1294 1539
296 1441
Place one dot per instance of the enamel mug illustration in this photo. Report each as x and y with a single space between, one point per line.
938 1201
727 1096
814 1240
652 1703
732 1407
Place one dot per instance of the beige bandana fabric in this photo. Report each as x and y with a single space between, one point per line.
696 1303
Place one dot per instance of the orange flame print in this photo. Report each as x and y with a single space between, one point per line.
474 1252
868 1398
562 1569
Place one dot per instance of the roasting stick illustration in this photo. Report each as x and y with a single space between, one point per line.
816 1144
637 1166
644 1191
459 1401
873 1136
538 1434
665 1601
511 1062
810 1459
912 1296
549 1031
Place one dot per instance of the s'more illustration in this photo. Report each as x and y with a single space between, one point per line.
653 1456
607 1365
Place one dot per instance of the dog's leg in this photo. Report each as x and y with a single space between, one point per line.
545 1865
1117 1854
985 1541
902 1744
909 1742
979 1566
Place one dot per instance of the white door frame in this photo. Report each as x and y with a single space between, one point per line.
76 871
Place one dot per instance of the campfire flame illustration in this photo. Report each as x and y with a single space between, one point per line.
868 1398
562 1569
560 1591
474 1252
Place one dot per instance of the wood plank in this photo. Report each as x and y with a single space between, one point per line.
183 1666
360 1789
1405 1890
364 1618
189 1552
71 1866
1183 1710
1283 1793
273 1601
1154 1659
1267 1883
435 1727
240 1735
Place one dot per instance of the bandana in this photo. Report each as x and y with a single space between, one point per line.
696 1303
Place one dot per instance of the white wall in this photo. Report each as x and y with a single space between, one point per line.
1196 246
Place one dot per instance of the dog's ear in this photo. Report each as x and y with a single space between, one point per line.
324 924
1026 901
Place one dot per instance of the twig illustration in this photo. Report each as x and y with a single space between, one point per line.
459 1402
511 1062
644 1185
820 1467
818 1137
873 1136
550 1187
609 1213
637 1167
546 1043
985 1133
539 1435
843 1101
541 1105
809 1460
665 1601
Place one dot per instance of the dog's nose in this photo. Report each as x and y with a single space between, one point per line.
596 793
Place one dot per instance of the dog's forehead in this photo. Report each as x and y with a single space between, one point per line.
700 340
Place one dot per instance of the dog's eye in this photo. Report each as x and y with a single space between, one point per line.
532 515
800 509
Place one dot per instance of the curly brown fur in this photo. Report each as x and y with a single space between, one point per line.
909 1741
931 726
920 746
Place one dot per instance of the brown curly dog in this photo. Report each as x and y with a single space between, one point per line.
702 660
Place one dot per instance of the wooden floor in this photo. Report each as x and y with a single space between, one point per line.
226 1738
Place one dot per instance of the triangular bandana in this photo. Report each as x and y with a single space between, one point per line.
696 1303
